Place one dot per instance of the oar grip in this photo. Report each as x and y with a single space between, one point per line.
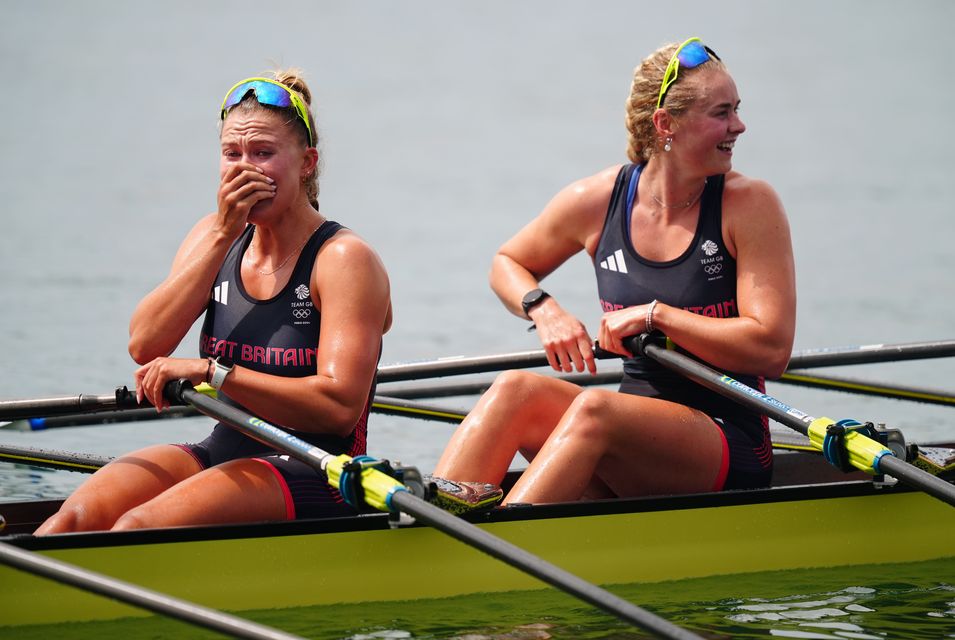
635 345
174 390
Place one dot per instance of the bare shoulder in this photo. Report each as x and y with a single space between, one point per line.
752 210
347 259
746 195
347 249
589 194
578 210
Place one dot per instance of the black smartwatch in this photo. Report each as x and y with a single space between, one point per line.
533 298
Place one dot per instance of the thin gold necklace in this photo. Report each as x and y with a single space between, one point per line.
680 205
284 262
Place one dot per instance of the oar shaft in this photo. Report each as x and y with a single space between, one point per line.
867 354
380 404
867 387
538 358
727 386
98 417
253 427
915 477
400 407
537 567
17 409
447 390
461 365
84 462
167 605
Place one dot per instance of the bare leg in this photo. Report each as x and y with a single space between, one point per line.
121 485
243 490
635 445
517 413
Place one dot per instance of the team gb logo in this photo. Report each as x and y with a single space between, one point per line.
709 247
301 291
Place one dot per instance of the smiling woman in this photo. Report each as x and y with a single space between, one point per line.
295 306
681 244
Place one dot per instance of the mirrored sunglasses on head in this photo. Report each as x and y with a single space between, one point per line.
270 93
688 55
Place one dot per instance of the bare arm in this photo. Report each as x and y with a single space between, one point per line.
759 341
166 314
570 222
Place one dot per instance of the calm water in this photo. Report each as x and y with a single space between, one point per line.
445 128
869 602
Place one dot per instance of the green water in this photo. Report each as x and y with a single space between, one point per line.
906 601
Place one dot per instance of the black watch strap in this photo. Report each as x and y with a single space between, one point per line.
533 298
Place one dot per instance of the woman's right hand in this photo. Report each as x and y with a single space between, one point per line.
243 185
151 378
564 338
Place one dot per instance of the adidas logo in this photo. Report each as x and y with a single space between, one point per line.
220 293
615 262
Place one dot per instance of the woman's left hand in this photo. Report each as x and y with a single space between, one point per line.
151 378
620 324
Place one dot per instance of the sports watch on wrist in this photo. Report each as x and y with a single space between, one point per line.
533 298
223 367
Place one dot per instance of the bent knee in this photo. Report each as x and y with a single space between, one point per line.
589 414
516 383
137 518
76 518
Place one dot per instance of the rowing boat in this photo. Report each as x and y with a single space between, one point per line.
813 517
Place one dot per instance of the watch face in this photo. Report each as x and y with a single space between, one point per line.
532 297
225 362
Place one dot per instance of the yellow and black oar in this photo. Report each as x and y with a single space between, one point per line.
842 443
867 387
48 458
358 478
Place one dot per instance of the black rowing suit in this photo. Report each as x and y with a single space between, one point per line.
278 336
701 280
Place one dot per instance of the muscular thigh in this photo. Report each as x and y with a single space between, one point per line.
131 480
244 490
658 446
537 404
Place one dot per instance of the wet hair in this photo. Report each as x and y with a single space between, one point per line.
294 80
644 92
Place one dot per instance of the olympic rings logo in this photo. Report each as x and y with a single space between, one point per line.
301 313
713 269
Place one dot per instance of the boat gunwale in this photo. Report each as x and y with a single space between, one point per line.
514 513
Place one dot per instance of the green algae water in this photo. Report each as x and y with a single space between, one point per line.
911 601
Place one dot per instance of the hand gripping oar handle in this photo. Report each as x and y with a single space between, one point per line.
387 494
864 453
